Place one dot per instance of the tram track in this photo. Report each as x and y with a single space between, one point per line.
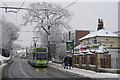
13 67
9 72
20 68
51 69
41 70
48 72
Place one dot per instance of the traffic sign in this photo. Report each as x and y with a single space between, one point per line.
69 45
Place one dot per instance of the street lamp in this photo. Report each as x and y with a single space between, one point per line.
35 38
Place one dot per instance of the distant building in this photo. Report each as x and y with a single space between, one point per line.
110 40
101 36
76 35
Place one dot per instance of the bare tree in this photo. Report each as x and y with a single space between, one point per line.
56 37
9 34
48 17
51 18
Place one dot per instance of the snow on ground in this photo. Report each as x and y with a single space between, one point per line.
92 74
2 64
1 70
85 73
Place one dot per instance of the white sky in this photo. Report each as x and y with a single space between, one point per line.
85 15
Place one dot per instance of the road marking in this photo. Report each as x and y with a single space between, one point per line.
23 71
10 69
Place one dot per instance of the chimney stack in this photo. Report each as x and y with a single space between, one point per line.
100 24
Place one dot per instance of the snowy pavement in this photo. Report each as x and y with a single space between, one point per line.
2 59
1 66
83 72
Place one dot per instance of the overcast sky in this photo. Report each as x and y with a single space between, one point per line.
85 15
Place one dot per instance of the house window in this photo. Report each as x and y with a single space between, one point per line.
84 44
94 40
83 59
87 39
111 45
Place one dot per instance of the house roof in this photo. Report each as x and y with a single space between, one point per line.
77 47
101 32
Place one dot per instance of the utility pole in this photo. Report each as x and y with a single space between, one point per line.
73 46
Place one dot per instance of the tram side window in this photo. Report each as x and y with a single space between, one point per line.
33 55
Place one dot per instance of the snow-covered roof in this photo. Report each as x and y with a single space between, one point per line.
89 53
101 32
79 54
77 47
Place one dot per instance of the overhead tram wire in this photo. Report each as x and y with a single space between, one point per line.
41 9
5 5
18 10
69 5
28 8
21 5
10 11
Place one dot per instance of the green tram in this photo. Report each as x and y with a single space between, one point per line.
38 56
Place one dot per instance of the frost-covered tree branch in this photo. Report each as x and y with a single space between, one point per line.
9 34
48 16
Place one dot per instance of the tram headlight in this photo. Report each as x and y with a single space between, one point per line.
38 61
